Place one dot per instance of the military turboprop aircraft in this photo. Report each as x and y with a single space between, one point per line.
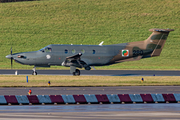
85 56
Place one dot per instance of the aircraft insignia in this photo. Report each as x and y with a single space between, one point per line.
125 53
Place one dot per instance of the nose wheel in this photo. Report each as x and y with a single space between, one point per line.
34 71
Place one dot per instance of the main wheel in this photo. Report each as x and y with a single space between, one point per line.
76 73
34 73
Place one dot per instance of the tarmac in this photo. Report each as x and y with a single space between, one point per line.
89 90
90 112
97 72
139 111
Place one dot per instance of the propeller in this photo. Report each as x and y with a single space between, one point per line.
10 57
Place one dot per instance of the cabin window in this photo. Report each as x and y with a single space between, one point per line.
82 51
65 51
73 51
93 51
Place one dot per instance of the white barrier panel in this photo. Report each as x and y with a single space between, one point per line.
91 98
68 99
135 97
22 99
177 97
157 97
113 98
44 99
2 100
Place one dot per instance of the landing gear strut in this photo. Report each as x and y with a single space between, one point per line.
34 71
76 73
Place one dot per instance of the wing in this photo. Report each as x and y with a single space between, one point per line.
75 61
74 56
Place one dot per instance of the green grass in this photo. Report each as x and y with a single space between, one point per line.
30 26
42 81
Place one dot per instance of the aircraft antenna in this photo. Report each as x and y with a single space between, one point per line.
101 43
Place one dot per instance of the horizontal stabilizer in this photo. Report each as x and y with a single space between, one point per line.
160 30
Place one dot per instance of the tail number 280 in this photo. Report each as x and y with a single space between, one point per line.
137 52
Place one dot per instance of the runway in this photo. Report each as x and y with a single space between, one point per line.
92 111
97 72
89 90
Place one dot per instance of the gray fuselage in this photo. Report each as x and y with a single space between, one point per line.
92 55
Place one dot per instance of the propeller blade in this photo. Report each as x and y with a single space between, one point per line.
11 50
11 58
11 62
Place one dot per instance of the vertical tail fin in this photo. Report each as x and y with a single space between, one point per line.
157 40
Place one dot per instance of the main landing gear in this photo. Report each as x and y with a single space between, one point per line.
76 73
34 71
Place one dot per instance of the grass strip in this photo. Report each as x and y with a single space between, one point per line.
32 25
78 81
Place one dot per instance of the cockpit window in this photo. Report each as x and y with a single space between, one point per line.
46 49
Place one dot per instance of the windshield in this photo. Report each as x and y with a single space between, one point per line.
46 49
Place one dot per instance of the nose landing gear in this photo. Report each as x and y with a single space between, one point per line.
34 71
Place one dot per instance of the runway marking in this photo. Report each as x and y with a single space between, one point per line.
45 88
122 89
73 89
96 88
172 90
